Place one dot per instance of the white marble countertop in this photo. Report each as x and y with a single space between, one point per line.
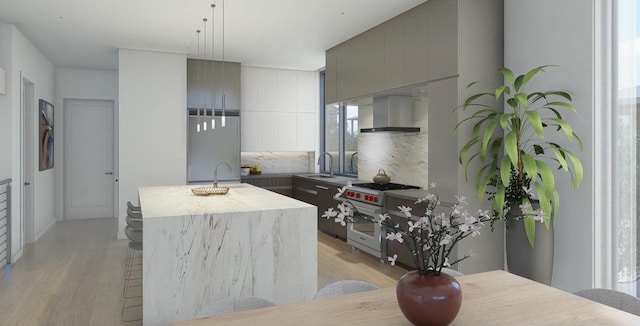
180 201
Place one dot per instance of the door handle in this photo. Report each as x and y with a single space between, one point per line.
108 173
322 187
27 183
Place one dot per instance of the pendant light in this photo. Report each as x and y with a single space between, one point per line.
204 105
213 70
224 81
198 82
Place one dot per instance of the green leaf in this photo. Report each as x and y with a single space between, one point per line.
546 177
577 167
530 229
511 146
536 122
512 102
482 179
470 99
491 126
556 204
505 170
565 94
538 150
543 197
560 157
532 73
529 164
553 110
565 127
508 74
471 84
504 119
465 149
498 200
522 99
499 90
563 104
518 83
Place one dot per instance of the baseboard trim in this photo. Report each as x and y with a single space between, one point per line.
16 256
44 230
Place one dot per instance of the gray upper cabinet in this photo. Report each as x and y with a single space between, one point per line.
416 46
343 71
394 50
412 48
443 39
357 65
374 61
331 76
201 93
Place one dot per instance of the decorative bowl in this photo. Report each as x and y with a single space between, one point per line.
206 191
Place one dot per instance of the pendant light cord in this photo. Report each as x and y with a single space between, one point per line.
224 80
198 82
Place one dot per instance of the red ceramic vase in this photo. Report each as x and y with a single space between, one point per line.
429 300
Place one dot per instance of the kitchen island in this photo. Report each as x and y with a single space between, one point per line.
249 242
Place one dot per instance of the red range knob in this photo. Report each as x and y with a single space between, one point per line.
375 199
357 195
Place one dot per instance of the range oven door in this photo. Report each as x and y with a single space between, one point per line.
366 235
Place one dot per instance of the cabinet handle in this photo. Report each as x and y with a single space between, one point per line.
322 187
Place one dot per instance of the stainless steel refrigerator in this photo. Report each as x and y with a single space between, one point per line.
208 148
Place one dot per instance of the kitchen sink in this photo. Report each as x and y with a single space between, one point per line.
320 176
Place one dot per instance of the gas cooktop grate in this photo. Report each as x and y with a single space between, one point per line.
385 186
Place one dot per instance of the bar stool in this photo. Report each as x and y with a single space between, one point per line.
133 231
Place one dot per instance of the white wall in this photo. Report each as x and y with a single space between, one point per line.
552 36
77 84
480 54
19 56
279 109
152 123
5 102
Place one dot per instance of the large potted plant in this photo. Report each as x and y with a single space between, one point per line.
510 139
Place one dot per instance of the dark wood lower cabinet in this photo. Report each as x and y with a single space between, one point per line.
321 195
279 184
326 201
394 247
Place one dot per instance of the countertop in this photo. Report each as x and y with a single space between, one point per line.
412 194
336 180
180 201
268 175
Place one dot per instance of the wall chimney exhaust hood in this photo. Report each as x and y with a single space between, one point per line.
392 113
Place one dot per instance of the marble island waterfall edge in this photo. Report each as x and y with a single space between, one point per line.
193 260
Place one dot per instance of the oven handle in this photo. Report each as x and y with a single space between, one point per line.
369 211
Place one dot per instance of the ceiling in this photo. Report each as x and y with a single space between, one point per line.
278 33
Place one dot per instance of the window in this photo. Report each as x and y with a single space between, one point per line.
625 234
339 134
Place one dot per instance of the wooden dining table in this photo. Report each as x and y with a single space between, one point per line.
490 298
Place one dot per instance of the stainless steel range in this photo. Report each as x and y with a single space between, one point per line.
368 199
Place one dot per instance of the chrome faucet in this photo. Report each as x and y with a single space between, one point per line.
330 161
215 173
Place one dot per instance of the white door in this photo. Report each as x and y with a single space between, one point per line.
29 148
88 159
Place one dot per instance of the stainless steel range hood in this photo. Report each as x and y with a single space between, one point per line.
392 113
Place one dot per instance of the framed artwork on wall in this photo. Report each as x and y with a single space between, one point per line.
46 135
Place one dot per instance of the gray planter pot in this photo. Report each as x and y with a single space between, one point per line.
533 263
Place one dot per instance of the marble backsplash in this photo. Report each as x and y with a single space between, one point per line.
403 156
280 162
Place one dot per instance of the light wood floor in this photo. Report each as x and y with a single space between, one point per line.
74 276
